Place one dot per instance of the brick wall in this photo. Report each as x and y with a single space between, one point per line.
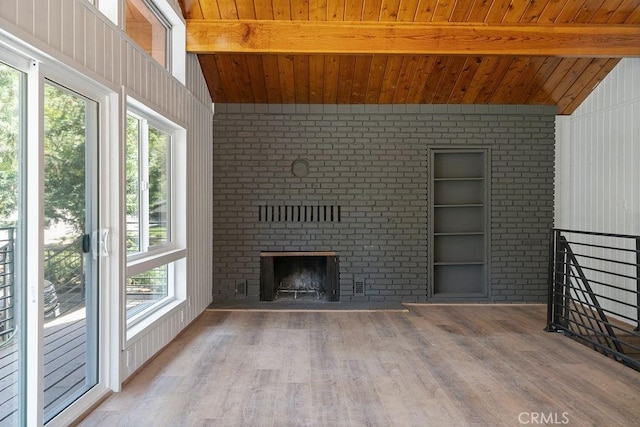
371 161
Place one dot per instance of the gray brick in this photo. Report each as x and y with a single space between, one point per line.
373 161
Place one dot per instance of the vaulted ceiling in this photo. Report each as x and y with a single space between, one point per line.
540 52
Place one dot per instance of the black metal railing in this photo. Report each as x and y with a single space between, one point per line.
594 291
145 289
7 297
64 266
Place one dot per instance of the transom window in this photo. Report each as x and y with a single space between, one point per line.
145 24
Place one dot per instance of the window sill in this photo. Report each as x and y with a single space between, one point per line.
140 325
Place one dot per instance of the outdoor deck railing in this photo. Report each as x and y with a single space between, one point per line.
7 301
594 291
64 266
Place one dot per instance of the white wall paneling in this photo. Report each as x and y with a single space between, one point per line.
598 171
74 34
605 155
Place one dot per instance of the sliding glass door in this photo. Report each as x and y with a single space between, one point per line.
12 313
70 268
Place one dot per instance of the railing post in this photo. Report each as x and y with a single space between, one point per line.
560 280
637 329
82 276
550 287
567 260
11 256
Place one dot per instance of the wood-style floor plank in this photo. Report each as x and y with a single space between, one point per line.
435 365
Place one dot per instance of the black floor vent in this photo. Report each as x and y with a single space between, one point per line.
300 213
359 287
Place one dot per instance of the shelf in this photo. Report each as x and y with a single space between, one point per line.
463 233
458 219
460 263
459 278
460 179
460 249
459 201
470 205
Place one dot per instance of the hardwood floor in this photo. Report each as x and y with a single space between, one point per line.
435 365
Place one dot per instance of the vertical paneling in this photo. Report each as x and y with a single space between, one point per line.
79 42
200 227
55 24
100 46
604 135
25 15
68 25
90 50
41 27
603 158
9 11
75 34
195 81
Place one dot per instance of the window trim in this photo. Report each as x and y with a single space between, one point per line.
22 274
174 252
144 209
178 39
39 67
166 23
114 10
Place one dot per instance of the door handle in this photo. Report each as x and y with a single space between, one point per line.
101 248
86 243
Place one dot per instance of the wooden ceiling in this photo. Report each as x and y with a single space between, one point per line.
540 52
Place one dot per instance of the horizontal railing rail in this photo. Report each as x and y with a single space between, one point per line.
594 291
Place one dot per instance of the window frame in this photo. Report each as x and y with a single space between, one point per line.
114 10
143 175
165 22
40 68
173 252
21 274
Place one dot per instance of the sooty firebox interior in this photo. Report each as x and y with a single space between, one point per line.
308 276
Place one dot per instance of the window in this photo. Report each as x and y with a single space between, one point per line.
157 26
153 243
148 186
145 24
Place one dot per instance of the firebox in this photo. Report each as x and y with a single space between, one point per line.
311 276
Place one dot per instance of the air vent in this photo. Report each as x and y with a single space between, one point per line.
241 288
359 287
300 213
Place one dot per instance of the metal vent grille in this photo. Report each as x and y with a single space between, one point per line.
241 288
300 213
359 287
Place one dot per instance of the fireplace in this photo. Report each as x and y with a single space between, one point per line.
308 276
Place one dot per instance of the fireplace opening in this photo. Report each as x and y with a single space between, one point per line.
304 276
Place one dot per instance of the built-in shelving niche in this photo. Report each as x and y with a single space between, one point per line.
459 226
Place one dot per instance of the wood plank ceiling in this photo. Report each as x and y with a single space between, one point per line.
380 78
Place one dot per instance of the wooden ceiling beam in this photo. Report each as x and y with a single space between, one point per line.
412 38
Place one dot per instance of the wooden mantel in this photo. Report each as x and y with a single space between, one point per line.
275 254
